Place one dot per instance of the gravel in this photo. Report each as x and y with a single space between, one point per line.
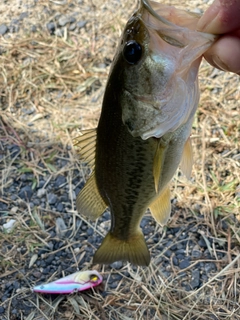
3 29
54 203
56 24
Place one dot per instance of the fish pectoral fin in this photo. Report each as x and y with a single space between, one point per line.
157 164
89 201
113 249
86 144
187 159
161 207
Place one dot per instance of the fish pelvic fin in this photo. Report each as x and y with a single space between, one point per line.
161 207
89 201
86 145
114 249
157 163
187 159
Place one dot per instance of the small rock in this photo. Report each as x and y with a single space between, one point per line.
117 265
2 310
51 26
168 253
184 264
195 279
52 198
175 261
16 284
23 177
60 181
81 24
59 32
90 232
13 28
60 227
3 29
33 28
23 15
8 227
60 207
37 274
202 243
63 20
72 26
196 253
15 21
26 193
209 267
41 193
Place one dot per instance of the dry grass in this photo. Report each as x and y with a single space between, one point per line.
61 79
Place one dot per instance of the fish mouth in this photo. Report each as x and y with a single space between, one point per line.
145 4
169 37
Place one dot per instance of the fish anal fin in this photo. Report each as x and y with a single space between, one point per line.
187 159
113 249
89 201
161 207
86 145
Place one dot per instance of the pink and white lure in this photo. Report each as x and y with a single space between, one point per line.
78 281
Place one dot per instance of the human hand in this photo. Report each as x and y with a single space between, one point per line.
223 18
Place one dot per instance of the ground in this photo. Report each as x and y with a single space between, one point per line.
54 62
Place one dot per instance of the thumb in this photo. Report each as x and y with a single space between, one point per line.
222 16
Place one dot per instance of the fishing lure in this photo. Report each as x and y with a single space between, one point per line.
78 281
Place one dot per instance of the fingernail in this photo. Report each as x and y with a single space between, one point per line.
204 25
219 63
210 21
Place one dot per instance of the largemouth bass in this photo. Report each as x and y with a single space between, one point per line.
143 132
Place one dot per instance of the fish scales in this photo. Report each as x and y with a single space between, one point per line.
143 132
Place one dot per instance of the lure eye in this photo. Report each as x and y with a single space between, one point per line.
132 52
94 278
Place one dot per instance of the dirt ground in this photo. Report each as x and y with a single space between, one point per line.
52 80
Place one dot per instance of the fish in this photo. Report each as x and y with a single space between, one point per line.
144 129
78 281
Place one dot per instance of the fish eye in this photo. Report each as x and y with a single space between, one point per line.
132 52
93 278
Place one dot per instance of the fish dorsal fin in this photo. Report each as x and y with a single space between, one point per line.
187 159
89 201
161 207
157 164
87 145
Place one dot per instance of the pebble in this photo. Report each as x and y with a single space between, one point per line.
51 26
61 227
26 193
63 20
3 29
59 207
41 192
184 264
195 281
56 193
33 28
196 253
59 32
23 15
52 198
81 24
60 181
117 265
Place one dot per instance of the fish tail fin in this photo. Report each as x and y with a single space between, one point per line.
113 249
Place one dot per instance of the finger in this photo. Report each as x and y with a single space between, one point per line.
221 17
225 53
